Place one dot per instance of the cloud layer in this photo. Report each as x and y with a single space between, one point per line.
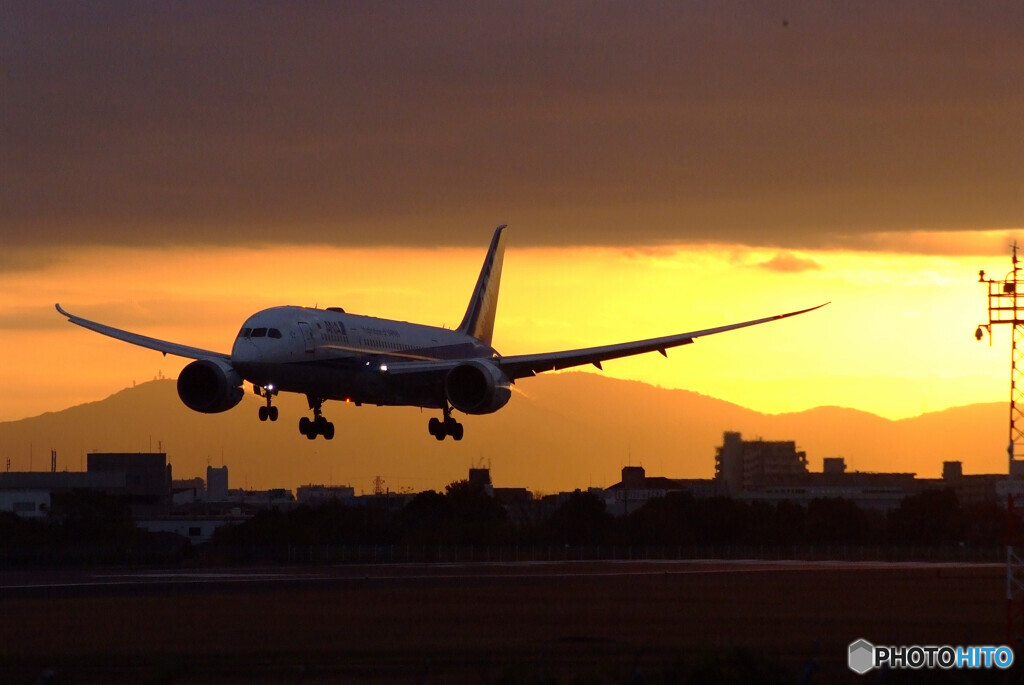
580 123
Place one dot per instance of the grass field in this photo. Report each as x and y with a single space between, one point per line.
600 622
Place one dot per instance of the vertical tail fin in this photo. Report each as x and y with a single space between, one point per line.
479 319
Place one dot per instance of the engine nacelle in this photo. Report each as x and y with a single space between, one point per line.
209 386
477 387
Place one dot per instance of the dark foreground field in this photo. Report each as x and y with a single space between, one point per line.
590 622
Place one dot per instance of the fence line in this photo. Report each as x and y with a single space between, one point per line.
85 554
405 553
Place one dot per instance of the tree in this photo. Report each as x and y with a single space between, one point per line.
581 520
464 515
931 517
836 521
92 516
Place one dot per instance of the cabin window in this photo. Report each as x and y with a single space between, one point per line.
273 333
259 332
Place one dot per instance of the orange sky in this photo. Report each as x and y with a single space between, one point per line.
663 167
897 339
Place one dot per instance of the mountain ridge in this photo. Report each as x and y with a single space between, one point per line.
560 432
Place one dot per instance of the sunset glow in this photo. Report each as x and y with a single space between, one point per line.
662 168
896 340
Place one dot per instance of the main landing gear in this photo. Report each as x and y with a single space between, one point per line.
267 411
449 426
318 425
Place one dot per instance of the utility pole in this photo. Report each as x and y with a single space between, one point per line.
1005 307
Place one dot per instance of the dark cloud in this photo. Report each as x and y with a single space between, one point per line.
424 123
25 259
789 263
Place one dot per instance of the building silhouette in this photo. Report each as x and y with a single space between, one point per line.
147 478
216 484
317 494
745 465
776 471
747 470
142 480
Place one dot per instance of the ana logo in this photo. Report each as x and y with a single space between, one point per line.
861 656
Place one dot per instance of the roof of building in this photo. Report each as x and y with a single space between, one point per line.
659 483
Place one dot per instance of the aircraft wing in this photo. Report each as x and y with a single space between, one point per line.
144 341
520 366
532 364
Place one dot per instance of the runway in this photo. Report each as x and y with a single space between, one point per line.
24 583
466 622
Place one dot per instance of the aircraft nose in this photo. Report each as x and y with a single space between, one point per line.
244 351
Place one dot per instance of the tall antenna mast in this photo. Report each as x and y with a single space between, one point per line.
1005 307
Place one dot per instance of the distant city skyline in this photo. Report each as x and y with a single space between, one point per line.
574 430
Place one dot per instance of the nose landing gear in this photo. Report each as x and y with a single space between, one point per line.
318 425
267 411
440 429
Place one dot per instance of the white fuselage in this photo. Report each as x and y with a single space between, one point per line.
331 355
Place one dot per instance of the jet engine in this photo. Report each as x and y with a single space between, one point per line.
209 386
477 387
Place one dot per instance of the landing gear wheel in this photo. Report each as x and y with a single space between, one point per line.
436 428
267 411
318 425
441 429
453 428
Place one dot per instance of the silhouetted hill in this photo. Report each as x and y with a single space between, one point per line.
559 432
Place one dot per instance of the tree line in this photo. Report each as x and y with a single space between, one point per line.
465 515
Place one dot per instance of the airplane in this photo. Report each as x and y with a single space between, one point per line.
329 354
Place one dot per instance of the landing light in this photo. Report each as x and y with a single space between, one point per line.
270 387
383 367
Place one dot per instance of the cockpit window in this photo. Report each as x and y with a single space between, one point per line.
260 333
